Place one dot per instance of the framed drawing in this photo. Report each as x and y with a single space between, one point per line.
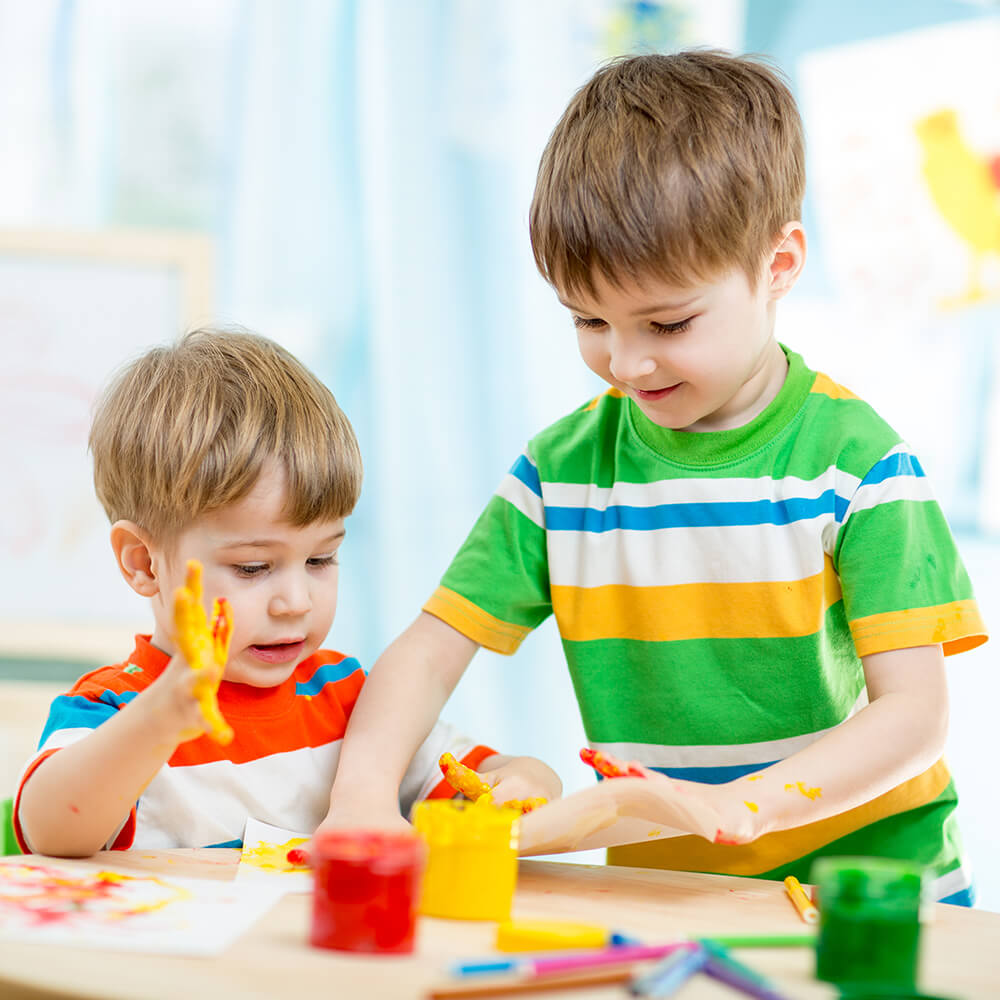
74 306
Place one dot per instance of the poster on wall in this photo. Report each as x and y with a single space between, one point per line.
904 160
77 305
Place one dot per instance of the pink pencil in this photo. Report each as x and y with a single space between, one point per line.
569 963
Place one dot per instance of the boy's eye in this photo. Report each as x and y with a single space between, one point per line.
587 324
672 327
250 569
319 562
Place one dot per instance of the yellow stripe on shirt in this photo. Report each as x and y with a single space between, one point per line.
958 626
696 610
612 392
473 622
694 854
825 385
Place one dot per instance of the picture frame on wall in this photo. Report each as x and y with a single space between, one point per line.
74 307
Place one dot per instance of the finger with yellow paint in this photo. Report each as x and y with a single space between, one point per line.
205 650
462 778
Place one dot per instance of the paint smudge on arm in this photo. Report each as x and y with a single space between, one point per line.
809 793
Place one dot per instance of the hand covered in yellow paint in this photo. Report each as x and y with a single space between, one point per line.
205 651
523 783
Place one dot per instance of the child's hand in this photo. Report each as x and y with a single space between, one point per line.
175 703
205 651
520 778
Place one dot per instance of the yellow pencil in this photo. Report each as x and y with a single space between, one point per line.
803 904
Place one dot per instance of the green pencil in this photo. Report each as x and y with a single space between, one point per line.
763 940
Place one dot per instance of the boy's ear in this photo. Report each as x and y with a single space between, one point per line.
133 551
788 259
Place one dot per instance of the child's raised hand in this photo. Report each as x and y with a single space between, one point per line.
204 650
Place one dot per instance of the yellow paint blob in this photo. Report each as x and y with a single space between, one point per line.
752 806
800 786
471 860
755 777
273 857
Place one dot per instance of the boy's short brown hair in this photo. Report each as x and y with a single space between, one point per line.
677 167
186 429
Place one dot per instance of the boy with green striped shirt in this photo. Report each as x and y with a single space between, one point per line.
753 583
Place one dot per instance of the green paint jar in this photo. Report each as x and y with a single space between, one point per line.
869 926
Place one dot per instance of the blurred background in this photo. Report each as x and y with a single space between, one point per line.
352 178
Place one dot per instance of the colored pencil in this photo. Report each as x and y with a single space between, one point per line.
801 901
726 969
569 961
763 940
495 987
670 973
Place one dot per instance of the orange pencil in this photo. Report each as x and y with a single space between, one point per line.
807 911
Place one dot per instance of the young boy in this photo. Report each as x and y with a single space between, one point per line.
223 449
754 586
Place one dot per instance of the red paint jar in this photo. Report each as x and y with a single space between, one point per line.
365 890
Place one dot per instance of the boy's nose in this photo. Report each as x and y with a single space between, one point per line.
628 358
291 598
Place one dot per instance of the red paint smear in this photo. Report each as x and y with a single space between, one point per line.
721 838
608 766
296 856
60 898
74 809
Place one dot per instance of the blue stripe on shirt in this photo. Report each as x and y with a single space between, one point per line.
964 897
527 473
74 711
695 515
712 775
329 673
900 464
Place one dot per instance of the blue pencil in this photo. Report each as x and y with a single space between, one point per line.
669 974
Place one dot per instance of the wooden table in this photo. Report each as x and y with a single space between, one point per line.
960 954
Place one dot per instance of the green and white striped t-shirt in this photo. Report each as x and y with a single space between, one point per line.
714 592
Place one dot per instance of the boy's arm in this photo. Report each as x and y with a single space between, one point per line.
898 735
397 708
76 798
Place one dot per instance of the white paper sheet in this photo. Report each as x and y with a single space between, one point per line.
86 905
263 858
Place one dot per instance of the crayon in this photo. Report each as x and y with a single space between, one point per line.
802 903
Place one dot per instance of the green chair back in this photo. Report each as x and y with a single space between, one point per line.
8 842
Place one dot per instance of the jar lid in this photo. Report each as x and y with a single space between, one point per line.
868 880
364 847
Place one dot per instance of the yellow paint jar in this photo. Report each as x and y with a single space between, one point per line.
471 860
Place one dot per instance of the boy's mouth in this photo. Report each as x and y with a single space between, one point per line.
277 652
651 394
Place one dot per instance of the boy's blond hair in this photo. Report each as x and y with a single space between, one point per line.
675 167
186 429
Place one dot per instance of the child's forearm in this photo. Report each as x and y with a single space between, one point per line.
397 708
896 737
72 804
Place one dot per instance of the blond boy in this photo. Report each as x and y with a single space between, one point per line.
225 449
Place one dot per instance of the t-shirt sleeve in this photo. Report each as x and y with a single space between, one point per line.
496 589
902 578
71 717
423 778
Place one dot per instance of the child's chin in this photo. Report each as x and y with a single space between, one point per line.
261 675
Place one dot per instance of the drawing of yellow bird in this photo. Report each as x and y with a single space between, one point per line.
965 187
